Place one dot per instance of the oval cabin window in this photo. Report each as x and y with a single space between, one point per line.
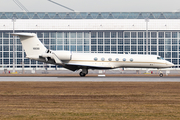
95 58
124 59
102 59
131 59
117 59
110 59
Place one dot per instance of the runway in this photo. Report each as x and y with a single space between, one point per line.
90 79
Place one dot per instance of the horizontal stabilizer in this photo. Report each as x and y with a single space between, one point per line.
23 34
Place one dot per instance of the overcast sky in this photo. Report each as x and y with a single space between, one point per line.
93 5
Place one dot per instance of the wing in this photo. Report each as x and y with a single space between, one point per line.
75 66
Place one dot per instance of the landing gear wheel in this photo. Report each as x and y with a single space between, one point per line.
82 74
161 75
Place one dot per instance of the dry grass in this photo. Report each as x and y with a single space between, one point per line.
89 100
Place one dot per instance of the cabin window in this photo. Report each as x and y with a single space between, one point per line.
102 59
131 59
124 59
110 59
95 58
158 58
117 59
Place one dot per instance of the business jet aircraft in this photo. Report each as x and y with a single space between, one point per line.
74 61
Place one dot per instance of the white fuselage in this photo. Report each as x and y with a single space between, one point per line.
116 60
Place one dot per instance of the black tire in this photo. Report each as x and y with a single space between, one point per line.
82 74
161 75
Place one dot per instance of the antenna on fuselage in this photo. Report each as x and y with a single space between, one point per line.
24 9
62 6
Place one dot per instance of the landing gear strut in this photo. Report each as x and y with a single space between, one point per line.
160 74
84 72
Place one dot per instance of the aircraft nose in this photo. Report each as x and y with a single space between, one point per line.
169 64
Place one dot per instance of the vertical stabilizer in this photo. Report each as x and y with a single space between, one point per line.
31 44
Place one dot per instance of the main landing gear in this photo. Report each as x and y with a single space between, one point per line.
83 73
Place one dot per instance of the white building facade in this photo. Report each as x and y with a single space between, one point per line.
104 32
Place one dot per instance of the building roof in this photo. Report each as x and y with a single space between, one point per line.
90 15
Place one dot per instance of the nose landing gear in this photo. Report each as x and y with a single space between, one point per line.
160 74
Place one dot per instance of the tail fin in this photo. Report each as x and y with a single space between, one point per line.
31 44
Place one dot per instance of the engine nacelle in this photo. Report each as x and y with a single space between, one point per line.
63 55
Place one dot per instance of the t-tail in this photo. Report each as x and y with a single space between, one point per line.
31 44
36 50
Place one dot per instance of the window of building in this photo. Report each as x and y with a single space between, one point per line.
174 54
120 41
140 48
113 41
53 34
174 48
107 48
153 35
174 34
79 41
59 34
107 41
127 34
153 41
86 41
86 34
113 34
100 34
168 41
161 34
107 34
120 48
100 48
133 41
140 41
113 48
153 48
161 48
167 54
100 41
79 35
127 48
174 41
73 34
93 41
53 41
168 34
59 41
120 34
126 41
79 48
93 48
133 34
161 41
133 48
140 34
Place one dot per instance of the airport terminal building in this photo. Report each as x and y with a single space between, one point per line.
91 32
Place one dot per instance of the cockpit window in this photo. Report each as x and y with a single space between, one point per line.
160 58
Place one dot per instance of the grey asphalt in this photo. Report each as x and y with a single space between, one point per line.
89 79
